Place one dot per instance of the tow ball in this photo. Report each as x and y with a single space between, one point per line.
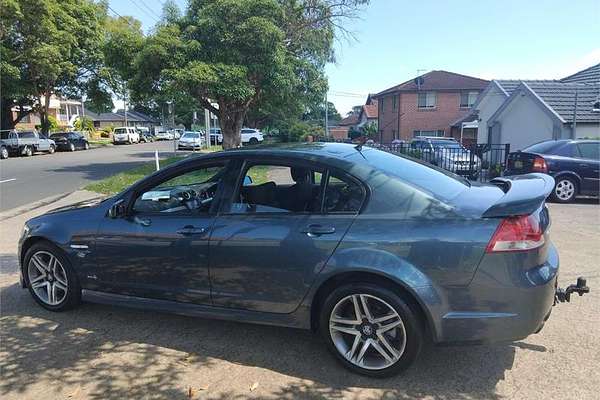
580 288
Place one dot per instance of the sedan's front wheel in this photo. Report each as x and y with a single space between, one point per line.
50 278
371 329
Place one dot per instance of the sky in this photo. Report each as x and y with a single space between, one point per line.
396 40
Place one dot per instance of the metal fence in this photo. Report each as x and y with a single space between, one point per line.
478 162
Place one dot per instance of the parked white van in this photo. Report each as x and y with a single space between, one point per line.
126 135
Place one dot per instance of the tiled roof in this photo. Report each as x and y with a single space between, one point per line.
352 119
560 97
439 80
589 76
119 116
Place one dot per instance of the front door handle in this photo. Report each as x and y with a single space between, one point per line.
142 221
318 230
189 230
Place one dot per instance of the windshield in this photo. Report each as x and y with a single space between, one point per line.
190 135
120 131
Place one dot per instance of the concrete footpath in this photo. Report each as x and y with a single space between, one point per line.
102 352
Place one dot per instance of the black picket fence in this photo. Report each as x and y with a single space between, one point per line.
481 162
478 162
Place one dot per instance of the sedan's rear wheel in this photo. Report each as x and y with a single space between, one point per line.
86 146
370 329
565 190
71 147
50 278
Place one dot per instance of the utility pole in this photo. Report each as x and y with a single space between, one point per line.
574 133
326 116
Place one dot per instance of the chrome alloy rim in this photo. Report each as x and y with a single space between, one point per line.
564 189
367 331
47 278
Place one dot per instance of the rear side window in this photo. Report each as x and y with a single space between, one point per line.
343 195
589 150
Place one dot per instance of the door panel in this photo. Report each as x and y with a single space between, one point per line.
267 262
151 256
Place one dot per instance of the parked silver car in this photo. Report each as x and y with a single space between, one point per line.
24 143
448 154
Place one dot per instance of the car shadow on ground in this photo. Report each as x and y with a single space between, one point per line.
124 353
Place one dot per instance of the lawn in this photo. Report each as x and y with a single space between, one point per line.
116 183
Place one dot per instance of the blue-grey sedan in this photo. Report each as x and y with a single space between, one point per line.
377 252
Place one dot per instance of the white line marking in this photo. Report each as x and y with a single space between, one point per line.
8 180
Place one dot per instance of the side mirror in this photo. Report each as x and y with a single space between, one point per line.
247 180
117 210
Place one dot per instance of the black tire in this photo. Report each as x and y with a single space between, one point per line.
27 151
73 293
412 326
565 190
52 149
71 147
86 146
253 141
3 153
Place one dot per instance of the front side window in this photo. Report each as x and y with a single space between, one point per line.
279 188
427 100
191 192
467 99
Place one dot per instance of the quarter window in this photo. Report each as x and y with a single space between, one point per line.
427 100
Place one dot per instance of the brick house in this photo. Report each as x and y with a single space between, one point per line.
426 106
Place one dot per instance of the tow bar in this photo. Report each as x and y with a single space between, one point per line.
563 295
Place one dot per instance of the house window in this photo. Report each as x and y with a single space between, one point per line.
427 100
381 105
435 133
394 134
467 99
395 102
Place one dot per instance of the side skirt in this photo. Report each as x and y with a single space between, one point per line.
298 319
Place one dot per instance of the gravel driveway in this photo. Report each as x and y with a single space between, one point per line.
101 352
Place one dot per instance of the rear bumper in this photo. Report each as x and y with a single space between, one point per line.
502 303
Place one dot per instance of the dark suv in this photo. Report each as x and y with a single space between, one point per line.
574 164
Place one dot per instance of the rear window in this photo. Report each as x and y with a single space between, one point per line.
544 147
436 181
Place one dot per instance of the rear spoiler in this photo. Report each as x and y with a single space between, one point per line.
523 194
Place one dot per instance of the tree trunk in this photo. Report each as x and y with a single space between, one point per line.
231 119
44 113
6 116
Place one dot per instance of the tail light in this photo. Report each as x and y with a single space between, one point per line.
539 165
517 234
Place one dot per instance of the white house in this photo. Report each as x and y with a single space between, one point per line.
523 112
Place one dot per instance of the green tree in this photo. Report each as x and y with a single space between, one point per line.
257 54
99 99
47 47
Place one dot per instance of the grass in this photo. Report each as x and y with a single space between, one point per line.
116 183
100 142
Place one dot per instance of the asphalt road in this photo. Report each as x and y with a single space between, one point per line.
24 180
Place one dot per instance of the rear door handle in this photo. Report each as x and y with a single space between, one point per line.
318 230
189 230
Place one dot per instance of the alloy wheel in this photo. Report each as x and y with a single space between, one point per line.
71 147
47 278
367 331
564 190
3 153
51 150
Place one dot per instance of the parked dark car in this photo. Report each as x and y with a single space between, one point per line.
70 141
574 164
375 251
